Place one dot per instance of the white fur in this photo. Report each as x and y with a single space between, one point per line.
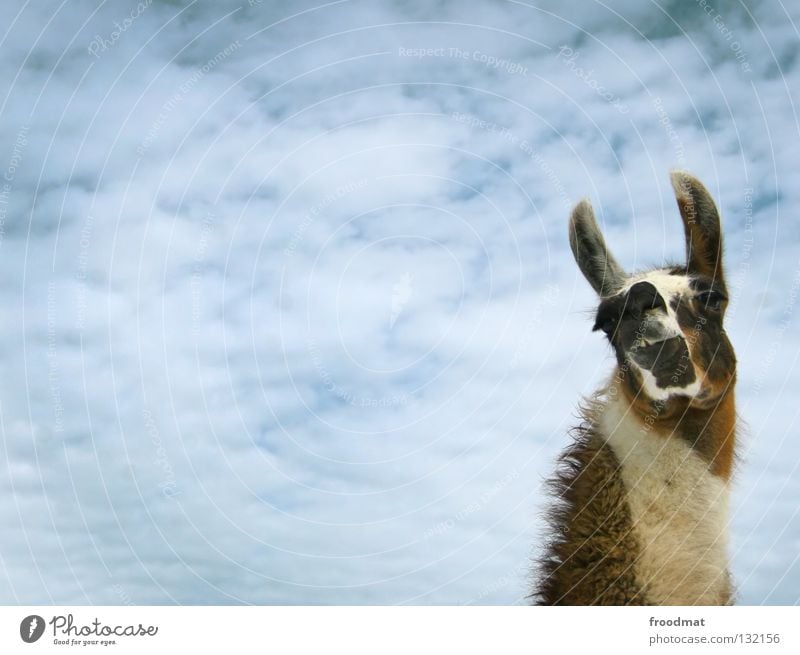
655 392
667 284
679 511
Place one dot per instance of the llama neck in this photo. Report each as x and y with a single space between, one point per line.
676 487
710 432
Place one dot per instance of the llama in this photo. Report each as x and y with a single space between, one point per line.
641 495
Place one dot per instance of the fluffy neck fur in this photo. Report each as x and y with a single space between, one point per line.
642 505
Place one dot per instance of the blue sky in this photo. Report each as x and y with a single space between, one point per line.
290 311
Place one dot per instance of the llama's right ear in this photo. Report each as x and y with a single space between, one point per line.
589 248
701 225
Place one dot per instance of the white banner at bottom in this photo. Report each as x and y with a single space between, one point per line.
389 630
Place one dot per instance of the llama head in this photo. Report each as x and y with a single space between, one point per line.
665 325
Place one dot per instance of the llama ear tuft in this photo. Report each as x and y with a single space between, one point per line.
589 248
701 224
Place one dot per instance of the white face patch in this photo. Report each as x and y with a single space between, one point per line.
669 287
655 392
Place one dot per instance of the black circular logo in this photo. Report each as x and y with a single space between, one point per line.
31 628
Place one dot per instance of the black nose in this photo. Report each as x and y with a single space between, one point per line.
641 297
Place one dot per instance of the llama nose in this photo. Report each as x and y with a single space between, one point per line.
643 296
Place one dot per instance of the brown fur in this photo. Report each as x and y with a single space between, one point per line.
710 431
590 559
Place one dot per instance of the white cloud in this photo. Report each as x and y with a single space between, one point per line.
302 326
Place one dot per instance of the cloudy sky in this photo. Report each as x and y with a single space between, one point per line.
290 314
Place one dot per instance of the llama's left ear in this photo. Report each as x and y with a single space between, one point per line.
701 223
597 264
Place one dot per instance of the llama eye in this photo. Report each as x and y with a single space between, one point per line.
711 300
